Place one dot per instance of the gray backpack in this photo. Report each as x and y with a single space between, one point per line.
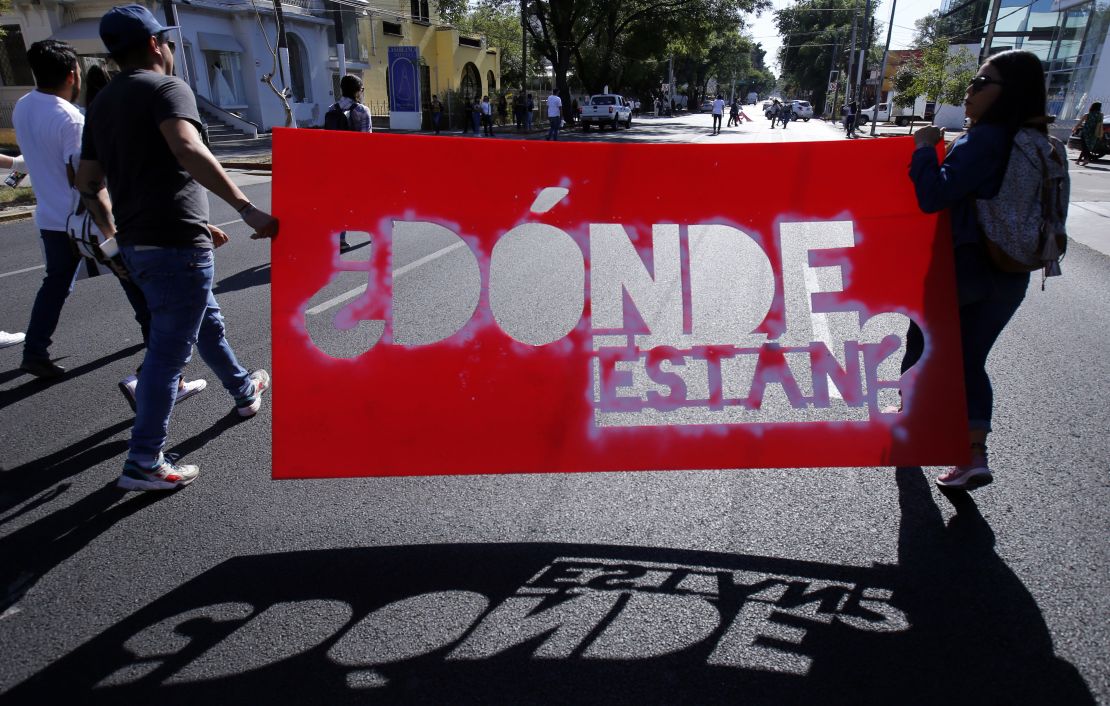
1025 222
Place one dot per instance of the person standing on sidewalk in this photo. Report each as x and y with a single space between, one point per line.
142 135
1090 132
437 113
529 109
1007 95
554 116
487 117
718 112
850 120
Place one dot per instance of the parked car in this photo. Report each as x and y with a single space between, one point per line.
920 110
802 110
1103 147
606 109
705 107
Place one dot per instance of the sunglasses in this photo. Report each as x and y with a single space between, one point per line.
980 82
163 39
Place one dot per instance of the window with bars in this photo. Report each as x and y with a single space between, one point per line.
419 10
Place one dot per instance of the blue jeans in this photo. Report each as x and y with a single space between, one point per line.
988 300
527 120
177 283
61 272
554 123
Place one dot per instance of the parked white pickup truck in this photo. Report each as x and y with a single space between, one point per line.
606 109
920 110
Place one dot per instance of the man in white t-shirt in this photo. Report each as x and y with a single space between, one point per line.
718 111
48 129
554 116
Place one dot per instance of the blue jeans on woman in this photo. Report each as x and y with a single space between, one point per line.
177 283
988 300
61 272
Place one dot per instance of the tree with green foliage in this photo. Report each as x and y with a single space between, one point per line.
935 73
499 23
811 30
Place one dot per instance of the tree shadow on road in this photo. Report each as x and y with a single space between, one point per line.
572 623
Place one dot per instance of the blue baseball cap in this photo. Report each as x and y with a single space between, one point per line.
128 25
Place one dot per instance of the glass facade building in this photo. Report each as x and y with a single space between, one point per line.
1068 35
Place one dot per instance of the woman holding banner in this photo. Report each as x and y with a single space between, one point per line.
1007 94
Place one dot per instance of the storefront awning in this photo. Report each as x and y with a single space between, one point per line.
219 42
83 36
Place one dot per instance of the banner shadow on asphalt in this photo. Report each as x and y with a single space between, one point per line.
578 623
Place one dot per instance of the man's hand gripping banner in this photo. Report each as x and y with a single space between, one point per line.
550 307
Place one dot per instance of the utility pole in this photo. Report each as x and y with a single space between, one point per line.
340 49
283 45
524 48
882 71
851 56
832 74
864 41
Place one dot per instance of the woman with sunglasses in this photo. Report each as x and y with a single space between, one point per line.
1007 94
1090 131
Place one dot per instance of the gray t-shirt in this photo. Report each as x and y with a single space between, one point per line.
154 200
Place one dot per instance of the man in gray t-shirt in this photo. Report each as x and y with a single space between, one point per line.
142 135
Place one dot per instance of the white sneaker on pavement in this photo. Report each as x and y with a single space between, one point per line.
185 390
10 339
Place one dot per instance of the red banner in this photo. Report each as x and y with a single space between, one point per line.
536 307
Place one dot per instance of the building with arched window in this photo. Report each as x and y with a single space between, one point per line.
226 50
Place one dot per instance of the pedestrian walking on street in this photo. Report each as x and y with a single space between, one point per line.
733 114
718 112
1005 97
487 116
554 116
142 139
529 110
48 129
1090 131
775 110
849 113
348 113
437 113
786 114
518 111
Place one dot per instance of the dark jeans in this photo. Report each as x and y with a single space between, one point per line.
716 122
554 123
487 124
435 121
61 271
177 283
988 299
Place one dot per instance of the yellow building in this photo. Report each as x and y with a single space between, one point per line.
450 61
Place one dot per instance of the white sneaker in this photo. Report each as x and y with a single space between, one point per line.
184 391
10 339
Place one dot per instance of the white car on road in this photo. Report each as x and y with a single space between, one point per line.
802 110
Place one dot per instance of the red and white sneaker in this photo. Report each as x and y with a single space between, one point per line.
974 475
165 476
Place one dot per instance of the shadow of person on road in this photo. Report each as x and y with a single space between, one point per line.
251 277
571 623
34 385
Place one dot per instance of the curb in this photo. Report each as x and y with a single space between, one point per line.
252 166
16 215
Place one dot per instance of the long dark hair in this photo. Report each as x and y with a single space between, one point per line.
1023 98
96 79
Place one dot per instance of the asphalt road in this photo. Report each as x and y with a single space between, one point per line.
821 585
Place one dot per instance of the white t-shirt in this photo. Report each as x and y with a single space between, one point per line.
48 130
554 106
718 106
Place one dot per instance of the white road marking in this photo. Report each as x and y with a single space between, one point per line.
397 274
26 269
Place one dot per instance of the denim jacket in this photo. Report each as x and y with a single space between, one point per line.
973 169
